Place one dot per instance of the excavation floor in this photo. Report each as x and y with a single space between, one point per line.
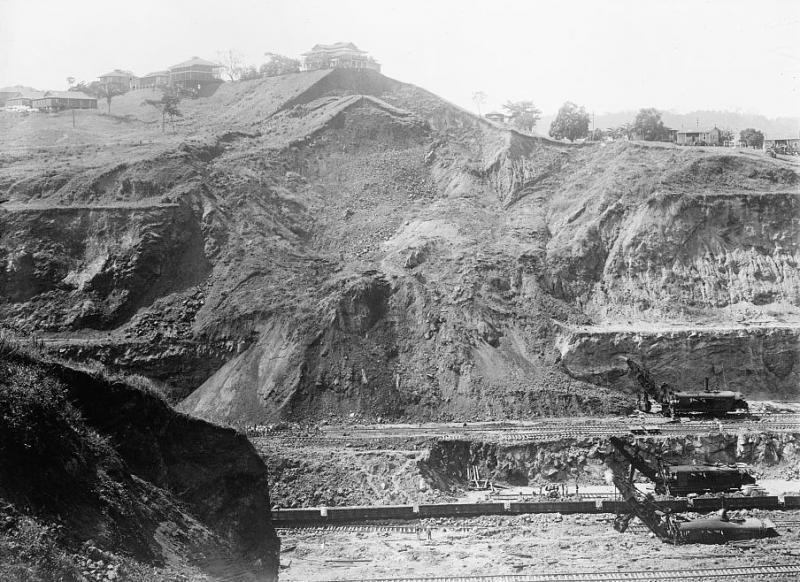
517 545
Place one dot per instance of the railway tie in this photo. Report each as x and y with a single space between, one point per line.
736 573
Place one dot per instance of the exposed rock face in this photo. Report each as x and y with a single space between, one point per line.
349 244
760 363
563 460
158 472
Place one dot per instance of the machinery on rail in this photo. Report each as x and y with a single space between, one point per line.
681 480
671 528
673 403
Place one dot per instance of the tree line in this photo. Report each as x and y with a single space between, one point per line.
572 123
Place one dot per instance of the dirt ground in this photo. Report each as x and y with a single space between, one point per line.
516 545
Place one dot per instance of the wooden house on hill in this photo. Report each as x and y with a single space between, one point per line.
24 99
58 100
195 73
712 136
339 55
154 79
122 80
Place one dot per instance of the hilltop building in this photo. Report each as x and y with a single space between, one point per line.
24 99
57 100
195 73
712 136
340 55
154 79
122 80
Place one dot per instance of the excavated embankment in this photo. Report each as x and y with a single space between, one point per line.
360 246
759 362
774 454
114 467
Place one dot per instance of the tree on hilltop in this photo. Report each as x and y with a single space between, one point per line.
752 137
479 98
648 125
278 65
524 114
572 122
249 73
101 91
232 64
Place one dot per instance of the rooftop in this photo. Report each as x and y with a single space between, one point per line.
195 62
335 48
118 73
64 95
697 130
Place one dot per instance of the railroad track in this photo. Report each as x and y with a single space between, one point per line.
784 571
778 423
412 528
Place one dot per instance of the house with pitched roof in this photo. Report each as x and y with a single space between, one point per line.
707 136
122 80
24 99
154 79
339 55
58 100
195 73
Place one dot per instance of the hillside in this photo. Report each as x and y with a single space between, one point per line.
96 471
340 243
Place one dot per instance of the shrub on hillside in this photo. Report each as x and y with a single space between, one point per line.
43 436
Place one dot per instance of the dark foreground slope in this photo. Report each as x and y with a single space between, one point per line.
95 469
341 243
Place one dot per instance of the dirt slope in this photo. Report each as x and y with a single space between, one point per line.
113 467
344 243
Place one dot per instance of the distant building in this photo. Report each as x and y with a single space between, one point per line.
497 117
340 55
786 144
122 80
58 100
698 136
195 73
672 134
24 99
154 79
7 93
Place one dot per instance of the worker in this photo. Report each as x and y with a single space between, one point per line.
428 531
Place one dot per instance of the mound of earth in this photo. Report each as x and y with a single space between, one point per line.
338 242
102 481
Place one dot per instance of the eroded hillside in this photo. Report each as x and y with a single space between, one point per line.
102 480
343 243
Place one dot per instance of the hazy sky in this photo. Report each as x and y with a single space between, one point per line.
607 55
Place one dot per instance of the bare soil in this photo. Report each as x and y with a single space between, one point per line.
542 543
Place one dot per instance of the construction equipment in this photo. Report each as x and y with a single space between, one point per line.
683 403
679 480
671 528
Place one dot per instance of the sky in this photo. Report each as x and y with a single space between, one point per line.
609 55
